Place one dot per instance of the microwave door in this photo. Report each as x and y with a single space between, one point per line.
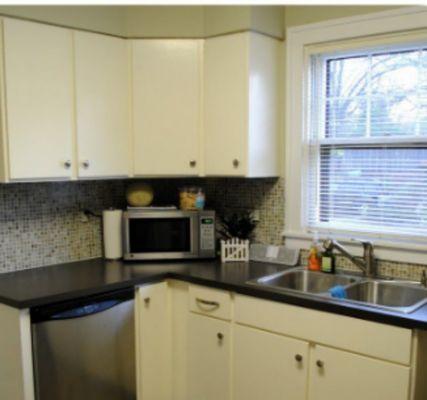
172 237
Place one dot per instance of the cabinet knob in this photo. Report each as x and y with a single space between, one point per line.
67 164
220 336
193 163
236 163
147 301
320 363
298 357
85 164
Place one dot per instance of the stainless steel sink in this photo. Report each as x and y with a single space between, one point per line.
396 296
304 281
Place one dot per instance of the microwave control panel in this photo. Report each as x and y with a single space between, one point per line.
207 233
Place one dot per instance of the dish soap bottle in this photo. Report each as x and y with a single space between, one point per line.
328 261
314 259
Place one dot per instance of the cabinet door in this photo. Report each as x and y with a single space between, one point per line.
209 358
39 102
268 366
226 102
166 107
102 105
154 360
336 374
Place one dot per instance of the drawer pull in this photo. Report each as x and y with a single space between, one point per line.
147 301
220 336
320 363
298 358
213 305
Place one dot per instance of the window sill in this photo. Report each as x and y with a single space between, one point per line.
404 252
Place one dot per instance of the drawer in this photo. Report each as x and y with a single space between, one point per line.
377 340
212 302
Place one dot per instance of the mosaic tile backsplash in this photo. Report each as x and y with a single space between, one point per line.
43 224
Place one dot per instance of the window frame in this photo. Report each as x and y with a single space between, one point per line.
380 31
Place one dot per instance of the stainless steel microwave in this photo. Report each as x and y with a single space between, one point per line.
168 234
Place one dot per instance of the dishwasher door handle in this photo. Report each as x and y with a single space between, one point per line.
81 307
84 311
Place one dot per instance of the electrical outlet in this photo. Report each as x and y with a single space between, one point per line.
255 215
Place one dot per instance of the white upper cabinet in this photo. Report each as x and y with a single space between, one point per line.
241 101
166 107
102 105
38 82
84 105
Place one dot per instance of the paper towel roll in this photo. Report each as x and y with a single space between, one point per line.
112 232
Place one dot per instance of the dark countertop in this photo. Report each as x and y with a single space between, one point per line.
41 286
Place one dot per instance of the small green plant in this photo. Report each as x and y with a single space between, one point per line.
237 224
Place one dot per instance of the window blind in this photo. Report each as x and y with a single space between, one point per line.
367 142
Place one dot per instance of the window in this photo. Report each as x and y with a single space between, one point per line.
356 139
367 142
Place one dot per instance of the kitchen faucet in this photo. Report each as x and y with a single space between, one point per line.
367 264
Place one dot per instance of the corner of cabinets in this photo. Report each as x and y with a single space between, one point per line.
241 109
264 103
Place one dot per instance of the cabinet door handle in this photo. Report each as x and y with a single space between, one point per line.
67 164
212 304
236 163
85 164
147 301
298 357
320 363
193 163
220 336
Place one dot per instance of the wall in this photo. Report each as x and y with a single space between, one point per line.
200 21
300 15
104 19
164 21
157 21
185 21
42 223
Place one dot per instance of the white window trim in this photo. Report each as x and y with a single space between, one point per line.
298 39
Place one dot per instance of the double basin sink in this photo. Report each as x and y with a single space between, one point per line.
393 295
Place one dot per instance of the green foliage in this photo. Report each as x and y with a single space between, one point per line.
237 224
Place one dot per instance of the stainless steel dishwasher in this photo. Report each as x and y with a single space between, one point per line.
85 348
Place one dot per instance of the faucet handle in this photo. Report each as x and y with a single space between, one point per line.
328 244
364 242
368 246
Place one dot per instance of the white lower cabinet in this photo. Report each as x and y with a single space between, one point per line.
336 374
153 344
262 350
209 358
268 366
